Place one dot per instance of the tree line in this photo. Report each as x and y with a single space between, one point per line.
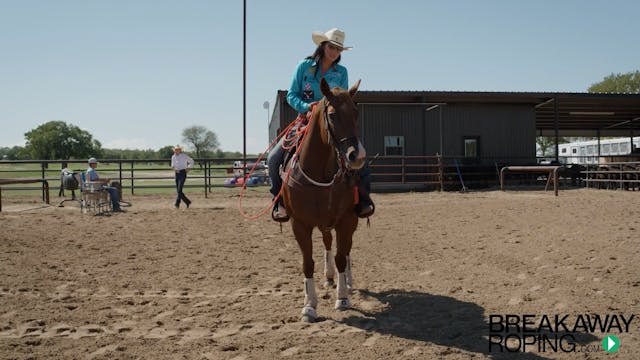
58 140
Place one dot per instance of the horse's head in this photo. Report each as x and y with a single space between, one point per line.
341 121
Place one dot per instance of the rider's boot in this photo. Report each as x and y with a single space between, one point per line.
279 212
365 206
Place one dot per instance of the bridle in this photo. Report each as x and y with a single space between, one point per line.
338 146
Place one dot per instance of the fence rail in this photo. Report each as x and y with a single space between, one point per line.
133 175
388 172
614 175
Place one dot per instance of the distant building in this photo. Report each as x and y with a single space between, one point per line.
478 127
587 152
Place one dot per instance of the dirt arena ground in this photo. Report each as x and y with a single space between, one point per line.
205 283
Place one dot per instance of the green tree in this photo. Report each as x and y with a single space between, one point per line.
618 83
57 140
201 139
547 144
165 152
13 153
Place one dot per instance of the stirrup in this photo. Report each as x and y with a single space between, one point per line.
279 215
364 211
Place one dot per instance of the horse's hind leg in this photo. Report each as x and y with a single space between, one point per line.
329 264
303 237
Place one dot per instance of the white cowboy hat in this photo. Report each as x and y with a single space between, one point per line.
334 36
92 161
177 147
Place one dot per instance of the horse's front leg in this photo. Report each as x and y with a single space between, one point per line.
344 240
329 264
303 237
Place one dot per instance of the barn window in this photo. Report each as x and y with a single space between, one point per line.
564 150
471 146
606 148
394 145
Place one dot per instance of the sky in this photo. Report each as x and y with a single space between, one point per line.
135 73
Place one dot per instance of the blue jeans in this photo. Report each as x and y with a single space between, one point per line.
181 178
276 157
274 160
115 197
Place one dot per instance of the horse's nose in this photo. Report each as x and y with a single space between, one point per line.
356 157
352 154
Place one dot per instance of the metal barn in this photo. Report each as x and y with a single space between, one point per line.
475 129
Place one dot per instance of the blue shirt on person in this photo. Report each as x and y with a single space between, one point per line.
305 86
92 174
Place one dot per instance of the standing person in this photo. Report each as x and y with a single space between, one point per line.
305 90
92 175
181 163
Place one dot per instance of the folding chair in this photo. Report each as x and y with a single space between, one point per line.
95 198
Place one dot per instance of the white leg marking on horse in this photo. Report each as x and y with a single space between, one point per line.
329 265
309 314
310 297
343 293
310 301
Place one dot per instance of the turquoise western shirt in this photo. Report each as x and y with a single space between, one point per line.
305 86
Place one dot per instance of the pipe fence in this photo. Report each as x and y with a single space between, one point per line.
133 175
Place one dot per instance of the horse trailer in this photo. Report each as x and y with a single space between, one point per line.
586 152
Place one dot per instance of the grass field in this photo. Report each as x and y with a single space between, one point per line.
148 178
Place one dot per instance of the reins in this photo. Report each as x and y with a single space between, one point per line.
291 140
300 133
332 140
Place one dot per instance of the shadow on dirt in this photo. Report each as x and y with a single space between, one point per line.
448 322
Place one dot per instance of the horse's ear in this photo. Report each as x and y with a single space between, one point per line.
324 88
354 89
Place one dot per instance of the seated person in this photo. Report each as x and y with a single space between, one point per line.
92 175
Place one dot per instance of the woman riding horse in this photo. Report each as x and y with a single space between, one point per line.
304 91
319 188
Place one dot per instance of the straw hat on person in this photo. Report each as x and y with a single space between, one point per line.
335 36
177 147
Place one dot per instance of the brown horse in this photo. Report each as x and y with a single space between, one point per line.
319 190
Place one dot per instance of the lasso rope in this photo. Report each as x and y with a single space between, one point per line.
292 138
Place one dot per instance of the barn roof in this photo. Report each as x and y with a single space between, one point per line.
577 114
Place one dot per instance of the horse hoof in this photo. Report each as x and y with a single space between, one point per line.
309 314
329 283
342 304
307 319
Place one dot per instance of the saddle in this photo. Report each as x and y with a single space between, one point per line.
70 180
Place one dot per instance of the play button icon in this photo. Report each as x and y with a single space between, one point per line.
610 343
